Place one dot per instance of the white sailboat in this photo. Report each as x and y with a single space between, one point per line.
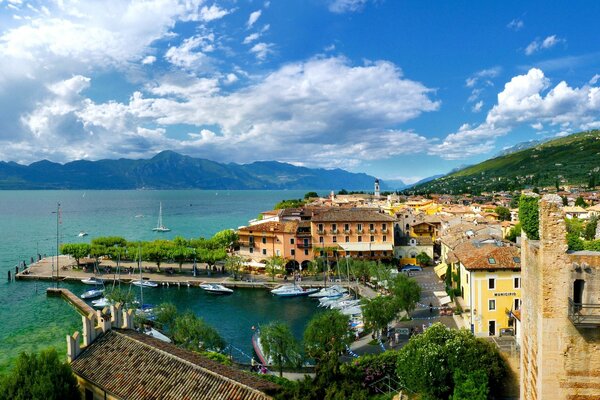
159 226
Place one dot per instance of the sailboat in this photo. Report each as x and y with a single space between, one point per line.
159 226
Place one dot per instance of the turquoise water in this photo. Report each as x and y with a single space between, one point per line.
29 321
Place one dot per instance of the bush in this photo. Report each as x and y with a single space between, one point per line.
529 216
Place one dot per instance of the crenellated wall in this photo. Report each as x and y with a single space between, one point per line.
559 360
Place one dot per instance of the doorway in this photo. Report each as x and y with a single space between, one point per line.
492 328
578 286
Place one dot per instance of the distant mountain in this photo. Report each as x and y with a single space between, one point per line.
520 146
170 170
424 180
570 160
395 184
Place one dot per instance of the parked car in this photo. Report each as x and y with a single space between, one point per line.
411 268
507 332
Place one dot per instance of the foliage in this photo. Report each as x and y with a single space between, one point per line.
406 292
370 368
580 202
361 269
514 201
423 258
193 333
503 213
590 228
574 242
225 238
109 241
123 296
274 266
310 195
470 386
342 191
428 362
529 216
180 254
234 264
280 346
76 250
327 335
218 357
166 314
39 377
379 312
592 245
294 203
514 233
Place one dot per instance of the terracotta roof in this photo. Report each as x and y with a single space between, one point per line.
272 226
352 215
131 365
477 256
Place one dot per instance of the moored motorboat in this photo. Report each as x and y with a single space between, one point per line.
92 294
327 301
146 284
215 288
344 304
158 335
332 291
101 303
82 234
292 291
92 280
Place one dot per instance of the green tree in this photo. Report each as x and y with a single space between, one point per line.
326 336
343 191
76 250
181 254
529 216
574 242
234 264
565 200
166 314
280 346
470 386
406 292
379 312
423 259
156 251
514 201
514 232
580 202
575 226
225 238
294 203
193 333
109 241
310 195
118 295
503 213
39 376
274 266
590 228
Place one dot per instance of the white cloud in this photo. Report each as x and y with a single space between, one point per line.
547 43
526 99
595 79
516 24
212 13
262 50
148 60
344 6
251 38
254 16
186 56
483 75
477 106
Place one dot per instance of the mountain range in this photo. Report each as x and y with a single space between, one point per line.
569 160
170 170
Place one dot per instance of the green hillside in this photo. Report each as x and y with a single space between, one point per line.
571 160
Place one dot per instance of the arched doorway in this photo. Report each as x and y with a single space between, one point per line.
292 266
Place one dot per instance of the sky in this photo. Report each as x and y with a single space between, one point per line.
396 89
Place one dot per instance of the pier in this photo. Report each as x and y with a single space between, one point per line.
81 306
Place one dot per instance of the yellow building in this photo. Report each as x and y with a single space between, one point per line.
488 276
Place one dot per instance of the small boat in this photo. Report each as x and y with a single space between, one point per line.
292 291
158 335
92 280
82 234
92 294
327 301
332 291
354 310
339 305
142 283
258 349
159 226
216 288
101 303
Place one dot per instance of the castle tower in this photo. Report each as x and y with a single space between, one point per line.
560 315
377 193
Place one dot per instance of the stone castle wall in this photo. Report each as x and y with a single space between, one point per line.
558 360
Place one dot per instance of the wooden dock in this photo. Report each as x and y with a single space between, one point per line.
81 306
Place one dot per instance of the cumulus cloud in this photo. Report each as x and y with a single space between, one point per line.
526 99
344 6
477 106
212 13
251 38
547 43
192 52
262 50
254 16
516 24
480 80
148 60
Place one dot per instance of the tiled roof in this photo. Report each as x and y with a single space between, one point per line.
131 365
272 226
476 256
352 215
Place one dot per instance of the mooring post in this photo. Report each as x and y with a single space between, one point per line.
9 275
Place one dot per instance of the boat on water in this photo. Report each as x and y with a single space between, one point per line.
92 280
292 291
82 234
92 294
344 304
332 291
354 310
258 349
101 303
158 335
159 226
216 288
144 283
327 301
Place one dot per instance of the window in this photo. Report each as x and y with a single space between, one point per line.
305 252
517 304
334 227
291 240
359 227
360 238
492 304
372 239
517 259
384 238
264 251
383 227
293 252
277 253
334 239
372 254
492 260
251 250
89 395
320 239
467 280
371 227
347 238
360 253
385 253
264 240
305 242
492 283
251 239
517 282
320 227
346 227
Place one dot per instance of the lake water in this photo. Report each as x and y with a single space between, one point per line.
29 321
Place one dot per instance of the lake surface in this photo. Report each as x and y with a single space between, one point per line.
29 321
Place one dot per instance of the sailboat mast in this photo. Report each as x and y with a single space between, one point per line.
57 241
141 278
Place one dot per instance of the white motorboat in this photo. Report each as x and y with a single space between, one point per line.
101 303
292 291
159 226
344 304
216 288
92 294
158 335
354 310
327 301
146 284
92 280
332 291
82 234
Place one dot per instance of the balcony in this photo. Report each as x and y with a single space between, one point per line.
321 231
347 230
247 244
584 315
334 231
304 245
372 230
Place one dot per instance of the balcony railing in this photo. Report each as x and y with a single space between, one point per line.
321 231
304 245
334 231
584 315
373 230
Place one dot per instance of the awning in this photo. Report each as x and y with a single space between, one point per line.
441 269
254 264
440 293
445 300
366 246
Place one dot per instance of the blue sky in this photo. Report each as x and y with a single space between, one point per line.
397 89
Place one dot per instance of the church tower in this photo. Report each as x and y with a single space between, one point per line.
377 193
